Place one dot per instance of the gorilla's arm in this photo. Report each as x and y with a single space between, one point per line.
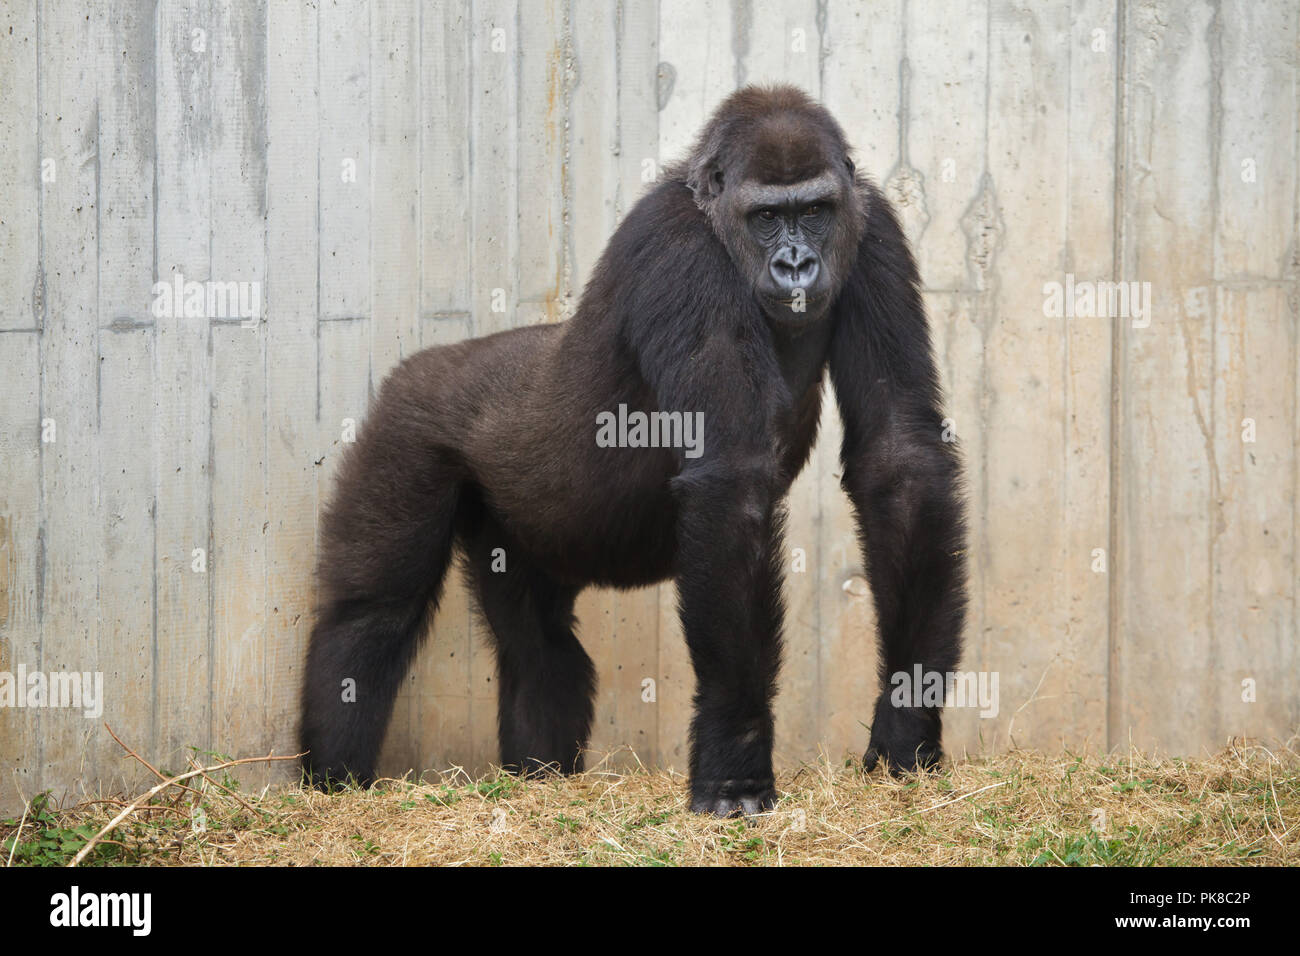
901 477
703 348
729 586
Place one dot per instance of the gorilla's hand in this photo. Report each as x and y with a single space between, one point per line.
906 738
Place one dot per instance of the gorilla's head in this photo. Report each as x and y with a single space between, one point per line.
772 172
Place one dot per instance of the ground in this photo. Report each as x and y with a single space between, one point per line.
1241 806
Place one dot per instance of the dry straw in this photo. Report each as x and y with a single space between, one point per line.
1241 806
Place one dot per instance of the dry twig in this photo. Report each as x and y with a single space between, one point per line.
149 794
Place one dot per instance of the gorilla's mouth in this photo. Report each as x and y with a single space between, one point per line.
791 300
781 310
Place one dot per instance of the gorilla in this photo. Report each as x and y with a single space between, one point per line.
755 265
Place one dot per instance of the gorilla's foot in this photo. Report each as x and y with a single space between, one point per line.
905 738
334 778
731 798
925 755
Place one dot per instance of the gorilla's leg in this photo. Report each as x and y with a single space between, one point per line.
545 681
386 543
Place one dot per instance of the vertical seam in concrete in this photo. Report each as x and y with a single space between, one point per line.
467 39
904 91
1214 42
370 209
97 474
982 306
420 127
1293 316
742 17
262 330
820 17
1067 261
512 225
210 563
40 402
619 198
99 319
153 509
568 71
320 172
407 349
1116 377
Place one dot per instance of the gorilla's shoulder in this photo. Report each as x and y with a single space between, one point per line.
665 281
667 229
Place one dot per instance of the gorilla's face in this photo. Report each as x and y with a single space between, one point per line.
784 202
787 231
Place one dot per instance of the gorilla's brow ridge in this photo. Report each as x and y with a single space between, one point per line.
818 189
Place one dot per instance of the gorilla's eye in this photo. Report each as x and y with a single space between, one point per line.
813 210
766 215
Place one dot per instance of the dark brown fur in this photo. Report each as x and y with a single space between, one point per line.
490 444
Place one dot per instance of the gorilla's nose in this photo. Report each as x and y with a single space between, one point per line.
794 267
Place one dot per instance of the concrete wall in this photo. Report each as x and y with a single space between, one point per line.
380 168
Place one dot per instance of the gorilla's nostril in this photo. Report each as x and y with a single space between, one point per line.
793 267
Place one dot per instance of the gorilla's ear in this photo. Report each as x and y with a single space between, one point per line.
705 179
